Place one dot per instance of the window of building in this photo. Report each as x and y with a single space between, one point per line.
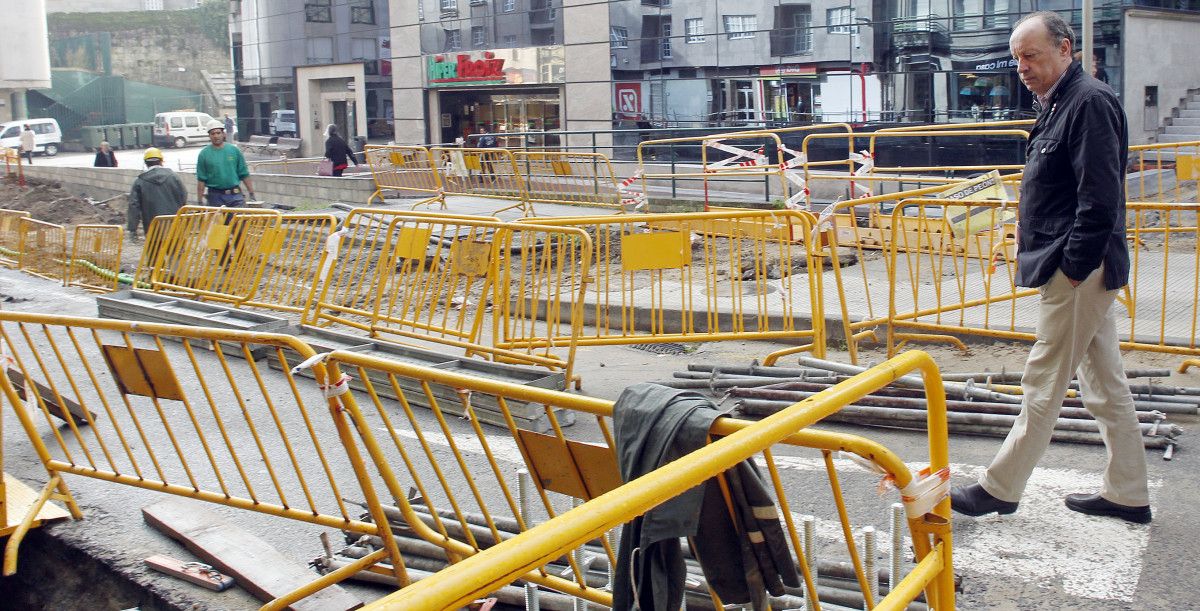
694 28
320 50
509 6
510 40
618 37
365 50
802 26
152 5
478 36
318 11
453 40
666 39
449 6
362 11
740 26
840 20
974 14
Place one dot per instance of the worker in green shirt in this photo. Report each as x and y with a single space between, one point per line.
219 168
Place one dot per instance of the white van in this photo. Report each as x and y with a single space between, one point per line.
283 123
178 129
47 137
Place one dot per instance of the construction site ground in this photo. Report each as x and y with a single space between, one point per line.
1043 556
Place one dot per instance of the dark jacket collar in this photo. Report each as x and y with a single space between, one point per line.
1073 72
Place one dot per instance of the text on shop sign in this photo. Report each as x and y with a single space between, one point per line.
463 69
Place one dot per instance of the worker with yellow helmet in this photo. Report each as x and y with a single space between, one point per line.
157 191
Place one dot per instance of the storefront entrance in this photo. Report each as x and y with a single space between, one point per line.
501 111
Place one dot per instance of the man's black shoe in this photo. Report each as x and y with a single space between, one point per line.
1096 505
974 501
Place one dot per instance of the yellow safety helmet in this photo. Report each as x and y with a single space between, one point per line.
152 153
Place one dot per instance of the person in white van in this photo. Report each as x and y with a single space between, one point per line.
27 143
219 169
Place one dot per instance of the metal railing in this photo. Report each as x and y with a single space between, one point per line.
95 257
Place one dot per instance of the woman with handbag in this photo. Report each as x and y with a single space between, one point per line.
337 153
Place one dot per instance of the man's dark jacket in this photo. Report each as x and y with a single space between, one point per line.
1072 212
156 192
743 556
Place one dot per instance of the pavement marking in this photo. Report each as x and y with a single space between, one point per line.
1043 543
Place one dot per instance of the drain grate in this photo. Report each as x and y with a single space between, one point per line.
670 348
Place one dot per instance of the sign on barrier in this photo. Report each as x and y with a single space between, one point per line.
96 257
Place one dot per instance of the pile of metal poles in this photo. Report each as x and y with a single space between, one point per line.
977 403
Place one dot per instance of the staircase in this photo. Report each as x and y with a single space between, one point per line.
1184 125
220 89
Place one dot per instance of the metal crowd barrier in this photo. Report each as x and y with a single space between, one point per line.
1164 172
10 236
569 178
14 166
402 168
216 253
293 264
465 501
705 276
178 415
450 280
96 257
43 249
487 172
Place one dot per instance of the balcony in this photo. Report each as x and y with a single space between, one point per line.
926 33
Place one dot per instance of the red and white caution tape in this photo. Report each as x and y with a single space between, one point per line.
798 158
624 186
741 157
801 196
867 161
921 495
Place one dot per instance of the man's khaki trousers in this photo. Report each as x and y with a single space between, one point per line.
1076 330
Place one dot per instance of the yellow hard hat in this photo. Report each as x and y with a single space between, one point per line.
152 153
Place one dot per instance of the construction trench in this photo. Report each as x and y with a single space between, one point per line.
978 406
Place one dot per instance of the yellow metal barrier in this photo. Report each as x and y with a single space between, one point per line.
402 168
1164 172
569 178
294 262
10 236
300 166
426 277
706 276
490 173
179 415
96 257
155 241
216 253
43 249
451 488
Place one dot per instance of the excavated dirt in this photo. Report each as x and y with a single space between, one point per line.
47 201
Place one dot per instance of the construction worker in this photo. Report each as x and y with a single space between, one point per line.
219 169
157 191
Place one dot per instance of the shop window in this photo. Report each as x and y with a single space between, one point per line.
478 36
618 37
362 11
453 40
694 28
840 20
318 11
740 26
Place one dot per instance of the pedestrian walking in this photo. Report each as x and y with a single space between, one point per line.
27 143
105 157
220 169
156 192
337 151
1071 246
229 127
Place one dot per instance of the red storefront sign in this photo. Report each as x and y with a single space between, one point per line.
628 100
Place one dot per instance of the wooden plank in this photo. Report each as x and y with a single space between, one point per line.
47 394
252 562
194 572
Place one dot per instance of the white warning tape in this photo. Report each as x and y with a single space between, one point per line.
867 161
921 495
333 244
798 158
751 158
802 193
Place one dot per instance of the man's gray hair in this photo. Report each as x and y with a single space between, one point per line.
1055 24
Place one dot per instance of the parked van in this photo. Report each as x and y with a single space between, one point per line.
178 129
283 123
47 137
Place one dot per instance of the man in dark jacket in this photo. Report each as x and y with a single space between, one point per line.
1071 246
157 191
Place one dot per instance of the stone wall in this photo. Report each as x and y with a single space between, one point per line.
305 192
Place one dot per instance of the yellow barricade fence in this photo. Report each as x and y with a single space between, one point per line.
402 168
154 241
301 166
10 236
569 178
43 249
1167 171
187 412
705 276
490 173
96 257
467 502
216 253
426 277
290 274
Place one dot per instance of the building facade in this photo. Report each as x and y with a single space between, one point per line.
281 48
107 6
25 64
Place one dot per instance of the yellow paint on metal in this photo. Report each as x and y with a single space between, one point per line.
1151 179
10 236
569 178
143 372
1187 167
411 243
657 250
95 257
402 168
42 250
471 257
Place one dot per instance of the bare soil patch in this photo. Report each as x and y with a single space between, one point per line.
48 201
